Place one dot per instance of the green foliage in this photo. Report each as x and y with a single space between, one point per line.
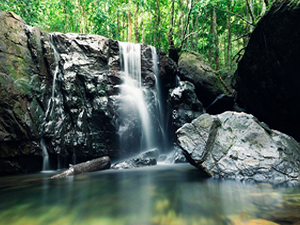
150 21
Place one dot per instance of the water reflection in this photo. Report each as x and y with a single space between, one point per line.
158 195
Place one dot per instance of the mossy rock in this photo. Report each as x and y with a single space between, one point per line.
193 68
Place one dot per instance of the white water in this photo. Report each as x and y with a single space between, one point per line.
45 155
160 112
130 58
50 107
51 103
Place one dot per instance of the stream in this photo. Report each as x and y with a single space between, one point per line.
163 194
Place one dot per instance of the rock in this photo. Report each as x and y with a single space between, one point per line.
65 88
236 145
194 69
89 166
267 78
228 79
185 104
148 158
19 111
175 156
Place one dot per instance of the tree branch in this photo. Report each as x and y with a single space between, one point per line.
190 34
238 54
242 18
244 35
186 26
250 11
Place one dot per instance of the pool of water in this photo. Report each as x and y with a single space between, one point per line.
166 195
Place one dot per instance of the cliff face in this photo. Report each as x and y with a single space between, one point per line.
63 89
267 77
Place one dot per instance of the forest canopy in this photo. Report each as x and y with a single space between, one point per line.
217 29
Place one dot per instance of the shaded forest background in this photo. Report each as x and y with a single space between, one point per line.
216 29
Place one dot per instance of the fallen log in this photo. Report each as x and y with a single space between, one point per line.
89 166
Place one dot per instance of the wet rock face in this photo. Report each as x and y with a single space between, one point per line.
185 104
192 68
18 109
81 114
236 145
66 89
267 78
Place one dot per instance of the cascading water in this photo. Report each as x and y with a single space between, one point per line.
50 107
131 90
45 155
140 104
158 97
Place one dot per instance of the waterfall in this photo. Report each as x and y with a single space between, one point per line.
45 155
50 106
158 97
132 91
51 103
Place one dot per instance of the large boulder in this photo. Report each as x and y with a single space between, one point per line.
267 78
64 89
19 111
194 69
236 145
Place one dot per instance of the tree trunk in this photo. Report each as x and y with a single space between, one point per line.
136 23
157 24
215 37
129 22
250 7
89 166
123 27
229 45
173 53
142 25
197 34
118 25
181 17
186 26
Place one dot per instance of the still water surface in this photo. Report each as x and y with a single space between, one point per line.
163 195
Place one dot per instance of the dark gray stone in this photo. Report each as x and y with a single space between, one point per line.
267 78
185 104
148 158
236 145
194 69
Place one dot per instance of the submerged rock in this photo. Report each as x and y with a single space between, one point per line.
267 78
236 145
148 158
